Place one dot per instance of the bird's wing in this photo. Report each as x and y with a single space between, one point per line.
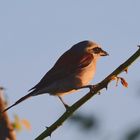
67 64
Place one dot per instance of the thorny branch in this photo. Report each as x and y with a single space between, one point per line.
80 102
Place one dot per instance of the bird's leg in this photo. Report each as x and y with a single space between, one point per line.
65 105
91 87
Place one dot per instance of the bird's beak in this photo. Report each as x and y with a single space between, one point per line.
103 53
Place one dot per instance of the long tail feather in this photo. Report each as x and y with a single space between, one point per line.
19 101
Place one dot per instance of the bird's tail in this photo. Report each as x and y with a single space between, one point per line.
19 101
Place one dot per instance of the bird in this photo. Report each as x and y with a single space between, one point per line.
72 71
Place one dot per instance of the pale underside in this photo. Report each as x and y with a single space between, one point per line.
68 84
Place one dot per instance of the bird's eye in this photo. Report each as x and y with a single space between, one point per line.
96 50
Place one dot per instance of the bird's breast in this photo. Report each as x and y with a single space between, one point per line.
74 80
86 74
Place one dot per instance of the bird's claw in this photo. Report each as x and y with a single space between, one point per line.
91 87
67 107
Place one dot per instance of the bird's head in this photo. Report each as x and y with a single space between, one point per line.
90 47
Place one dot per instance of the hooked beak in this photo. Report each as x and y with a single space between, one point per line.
103 53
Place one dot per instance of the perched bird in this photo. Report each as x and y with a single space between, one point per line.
73 70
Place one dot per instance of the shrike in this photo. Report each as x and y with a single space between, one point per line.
73 70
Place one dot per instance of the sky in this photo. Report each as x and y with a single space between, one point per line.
33 34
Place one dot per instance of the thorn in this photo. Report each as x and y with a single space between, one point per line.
106 86
50 134
126 70
48 130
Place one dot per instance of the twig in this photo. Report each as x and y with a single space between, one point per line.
79 103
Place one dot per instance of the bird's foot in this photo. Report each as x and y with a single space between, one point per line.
65 105
91 87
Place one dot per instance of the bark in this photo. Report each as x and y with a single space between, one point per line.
6 128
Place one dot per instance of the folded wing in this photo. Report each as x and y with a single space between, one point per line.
67 64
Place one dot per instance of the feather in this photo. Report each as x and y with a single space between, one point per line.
67 64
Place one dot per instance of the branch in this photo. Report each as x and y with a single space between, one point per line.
79 103
6 128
